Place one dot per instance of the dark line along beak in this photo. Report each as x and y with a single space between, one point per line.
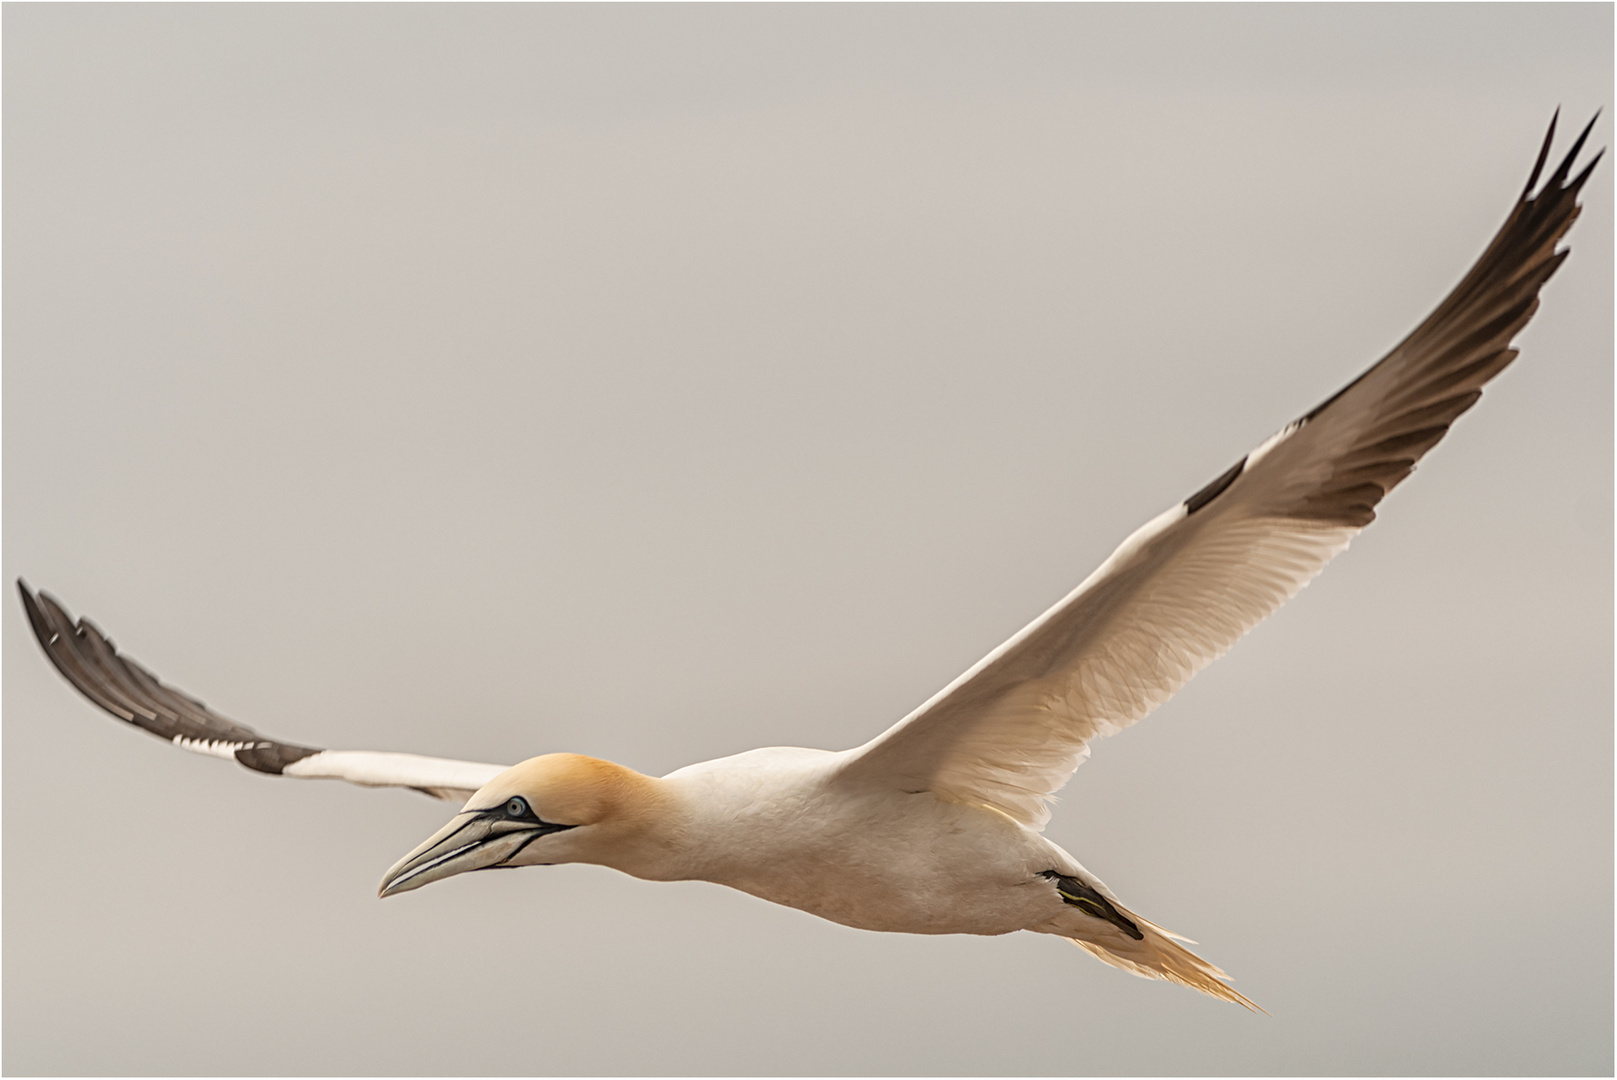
473 840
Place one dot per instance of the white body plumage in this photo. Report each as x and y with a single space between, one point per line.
776 824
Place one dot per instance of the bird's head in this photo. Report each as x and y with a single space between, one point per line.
557 808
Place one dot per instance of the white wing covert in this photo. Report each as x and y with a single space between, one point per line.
1183 589
87 659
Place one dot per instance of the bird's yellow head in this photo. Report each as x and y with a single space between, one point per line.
556 808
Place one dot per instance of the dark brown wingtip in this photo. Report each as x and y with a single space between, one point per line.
87 659
48 625
1557 179
1577 181
1543 156
30 607
39 619
30 604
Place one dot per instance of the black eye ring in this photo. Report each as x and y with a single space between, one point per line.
516 807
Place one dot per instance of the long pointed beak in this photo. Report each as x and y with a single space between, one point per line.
473 840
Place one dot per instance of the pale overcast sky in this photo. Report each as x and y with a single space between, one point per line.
661 382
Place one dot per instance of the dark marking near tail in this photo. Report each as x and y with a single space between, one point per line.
1090 902
1215 489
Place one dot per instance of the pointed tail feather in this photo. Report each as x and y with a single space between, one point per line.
1158 955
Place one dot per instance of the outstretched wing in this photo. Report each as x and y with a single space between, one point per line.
87 659
1184 588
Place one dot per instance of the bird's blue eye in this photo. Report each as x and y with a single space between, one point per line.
516 808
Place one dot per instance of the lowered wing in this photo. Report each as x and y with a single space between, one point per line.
87 659
1184 588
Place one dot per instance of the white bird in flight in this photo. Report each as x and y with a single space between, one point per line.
934 826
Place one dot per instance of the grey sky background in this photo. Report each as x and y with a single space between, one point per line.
661 382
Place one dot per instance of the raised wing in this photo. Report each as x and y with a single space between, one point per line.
87 659
1184 588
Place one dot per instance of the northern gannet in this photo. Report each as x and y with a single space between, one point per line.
935 825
